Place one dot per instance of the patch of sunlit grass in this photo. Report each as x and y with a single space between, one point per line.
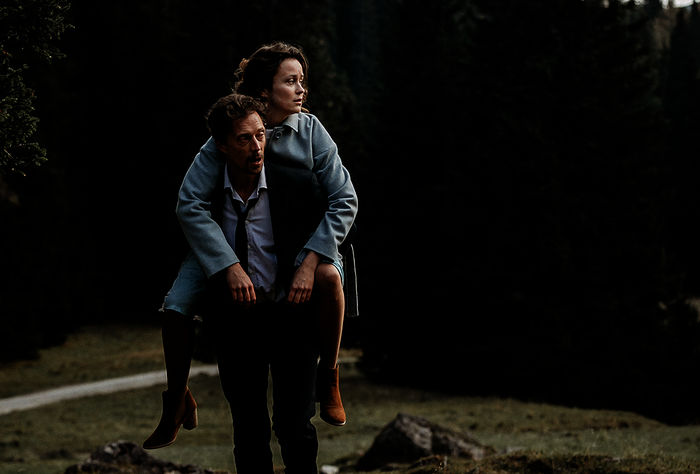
90 354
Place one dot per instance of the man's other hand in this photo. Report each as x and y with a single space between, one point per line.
303 280
239 283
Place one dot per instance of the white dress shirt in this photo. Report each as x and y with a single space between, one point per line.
262 261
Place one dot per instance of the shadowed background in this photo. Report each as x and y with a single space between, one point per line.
526 173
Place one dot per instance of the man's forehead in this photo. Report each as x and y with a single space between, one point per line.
248 124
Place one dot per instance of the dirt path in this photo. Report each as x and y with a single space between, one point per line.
45 397
69 392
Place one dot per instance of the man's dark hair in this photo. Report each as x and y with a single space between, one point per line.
225 111
255 74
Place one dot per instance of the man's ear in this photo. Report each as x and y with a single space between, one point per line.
222 147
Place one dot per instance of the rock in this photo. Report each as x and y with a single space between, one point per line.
126 457
408 438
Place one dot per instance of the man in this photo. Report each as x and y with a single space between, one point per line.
255 332
314 215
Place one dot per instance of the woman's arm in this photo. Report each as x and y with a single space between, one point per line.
335 180
193 210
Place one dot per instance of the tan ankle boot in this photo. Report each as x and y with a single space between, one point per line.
328 394
177 411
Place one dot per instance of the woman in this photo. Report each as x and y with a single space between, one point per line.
276 74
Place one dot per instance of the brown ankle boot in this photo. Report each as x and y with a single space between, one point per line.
176 411
328 394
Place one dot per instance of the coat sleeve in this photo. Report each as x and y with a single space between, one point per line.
193 210
335 181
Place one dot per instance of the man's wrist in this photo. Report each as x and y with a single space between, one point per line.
312 258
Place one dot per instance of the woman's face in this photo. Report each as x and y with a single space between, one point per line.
287 94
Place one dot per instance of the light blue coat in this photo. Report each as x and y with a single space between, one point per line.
299 142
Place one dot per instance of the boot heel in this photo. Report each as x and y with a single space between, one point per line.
191 421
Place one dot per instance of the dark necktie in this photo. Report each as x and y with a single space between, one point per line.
241 239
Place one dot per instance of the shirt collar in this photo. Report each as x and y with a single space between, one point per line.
262 184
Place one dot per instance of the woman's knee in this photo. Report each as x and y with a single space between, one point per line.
327 277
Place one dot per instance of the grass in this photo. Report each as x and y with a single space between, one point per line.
93 353
532 437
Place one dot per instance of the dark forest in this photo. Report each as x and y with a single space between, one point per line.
527 176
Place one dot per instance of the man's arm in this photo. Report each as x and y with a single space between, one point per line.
193 210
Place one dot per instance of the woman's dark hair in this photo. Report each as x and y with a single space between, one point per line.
227 110
255 74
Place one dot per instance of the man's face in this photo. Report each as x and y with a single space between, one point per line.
245 145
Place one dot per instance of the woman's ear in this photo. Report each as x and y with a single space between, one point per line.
265 94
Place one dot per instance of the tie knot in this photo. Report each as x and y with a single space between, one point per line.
243 209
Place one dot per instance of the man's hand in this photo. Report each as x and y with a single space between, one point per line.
240 285
303 281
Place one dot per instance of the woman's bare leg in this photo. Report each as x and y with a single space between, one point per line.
330 306
179 406
178 347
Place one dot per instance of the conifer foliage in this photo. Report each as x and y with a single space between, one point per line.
29 31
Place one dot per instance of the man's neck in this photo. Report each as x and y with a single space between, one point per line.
244 185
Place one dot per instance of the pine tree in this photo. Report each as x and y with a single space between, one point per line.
30 30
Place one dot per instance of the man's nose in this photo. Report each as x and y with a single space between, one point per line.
256 144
